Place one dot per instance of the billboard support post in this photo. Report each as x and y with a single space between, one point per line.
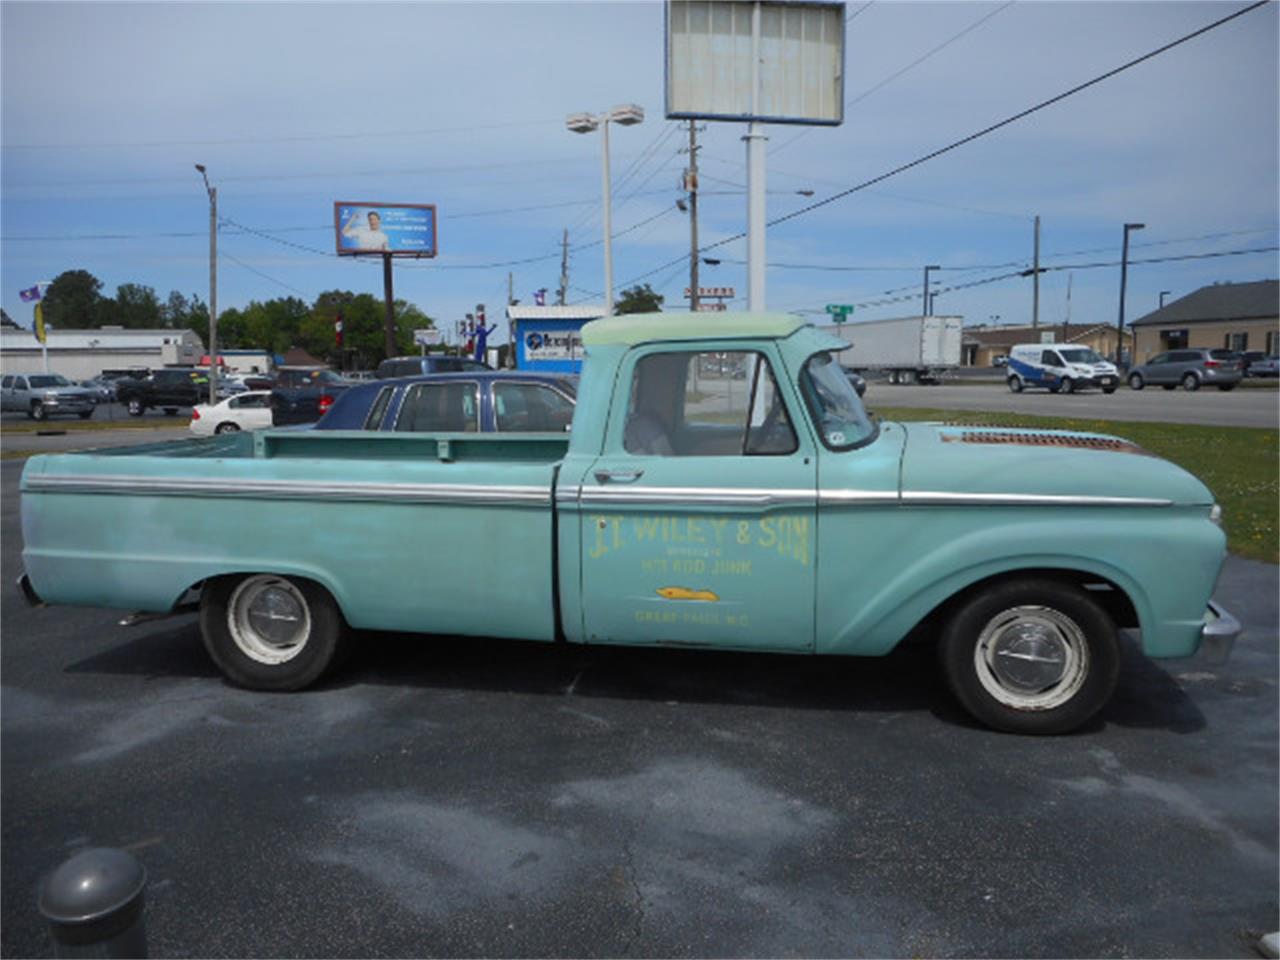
388 294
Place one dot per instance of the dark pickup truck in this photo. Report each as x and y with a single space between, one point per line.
169 389
303 394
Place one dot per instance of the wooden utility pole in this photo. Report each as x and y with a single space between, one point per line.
564 269
1035 296
691 186
511 324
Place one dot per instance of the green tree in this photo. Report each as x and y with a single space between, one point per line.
364 344
639 299
74 301
135 307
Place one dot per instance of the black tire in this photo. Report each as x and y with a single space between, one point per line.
1055 387
1015 384
227 427
1108 389
86 414
248 658
1190 382
1226 387
1068 385
1031 618
38 411
135 407
1136 382
170 411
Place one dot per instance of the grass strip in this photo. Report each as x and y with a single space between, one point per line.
19 427
1241 465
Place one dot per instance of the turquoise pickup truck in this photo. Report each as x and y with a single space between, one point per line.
722 487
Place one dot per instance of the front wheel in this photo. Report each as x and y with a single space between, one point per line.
1135 381
135 406
1068 385
38 411
268 632
1015 384
1031 656
1190 382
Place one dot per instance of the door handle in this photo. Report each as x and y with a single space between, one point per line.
618 476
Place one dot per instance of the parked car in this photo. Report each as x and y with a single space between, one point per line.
1256 363
104 391
169 389
485 401
1189 368
43 395
430 363
250 410
856 380
304 394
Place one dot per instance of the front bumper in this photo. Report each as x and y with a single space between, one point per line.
1218 635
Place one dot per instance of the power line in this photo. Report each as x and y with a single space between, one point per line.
809 208
265 276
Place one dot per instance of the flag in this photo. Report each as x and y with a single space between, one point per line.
38 327
30 295
540 297
337 330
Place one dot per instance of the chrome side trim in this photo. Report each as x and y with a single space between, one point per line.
835 498
292 490
699 496
940 498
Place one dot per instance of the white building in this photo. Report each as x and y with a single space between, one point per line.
81 354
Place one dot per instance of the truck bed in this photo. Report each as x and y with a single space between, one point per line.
429 533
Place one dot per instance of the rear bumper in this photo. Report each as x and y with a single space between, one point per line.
1218 635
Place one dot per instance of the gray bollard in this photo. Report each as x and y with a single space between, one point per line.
93 903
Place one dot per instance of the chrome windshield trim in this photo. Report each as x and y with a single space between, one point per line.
700 496
941 498
292 489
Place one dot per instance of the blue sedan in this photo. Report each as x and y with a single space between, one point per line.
472 402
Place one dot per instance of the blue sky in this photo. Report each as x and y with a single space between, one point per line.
106 107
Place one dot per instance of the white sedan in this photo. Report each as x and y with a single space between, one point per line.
245 411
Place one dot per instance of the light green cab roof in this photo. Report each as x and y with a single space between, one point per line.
645 327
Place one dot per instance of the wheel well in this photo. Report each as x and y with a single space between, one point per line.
1111 598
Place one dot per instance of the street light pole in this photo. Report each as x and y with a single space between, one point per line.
627 115
1163 294
924 305
1124 276
213 285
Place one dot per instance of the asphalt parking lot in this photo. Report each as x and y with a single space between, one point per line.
456 797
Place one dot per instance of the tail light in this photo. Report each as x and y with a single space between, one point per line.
1212 363
326 402
195 413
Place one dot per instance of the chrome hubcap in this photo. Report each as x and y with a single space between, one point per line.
269 619
1032 658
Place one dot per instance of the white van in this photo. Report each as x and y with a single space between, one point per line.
1060 367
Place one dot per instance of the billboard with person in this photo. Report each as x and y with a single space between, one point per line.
398 229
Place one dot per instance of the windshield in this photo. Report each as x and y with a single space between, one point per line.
50 380
840 417
1081 355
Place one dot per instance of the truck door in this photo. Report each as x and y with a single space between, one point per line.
698 519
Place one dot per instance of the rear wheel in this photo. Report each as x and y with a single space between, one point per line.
136 409
1190 382
1015 384
1136 381
268 632
1031 656
227 427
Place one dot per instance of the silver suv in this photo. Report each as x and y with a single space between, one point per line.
41 395
1189 368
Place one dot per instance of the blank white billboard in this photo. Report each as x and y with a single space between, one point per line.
709 46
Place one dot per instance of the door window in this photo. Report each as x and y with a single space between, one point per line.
441 407
530 408
706 405
6 383
374 420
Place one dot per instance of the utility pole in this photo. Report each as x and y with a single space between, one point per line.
213 285
564 269
1035 283
924 300
1124 276
511 326
691 186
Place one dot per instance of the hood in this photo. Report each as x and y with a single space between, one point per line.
1053 465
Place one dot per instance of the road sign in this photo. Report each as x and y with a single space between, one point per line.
840 311
426 336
